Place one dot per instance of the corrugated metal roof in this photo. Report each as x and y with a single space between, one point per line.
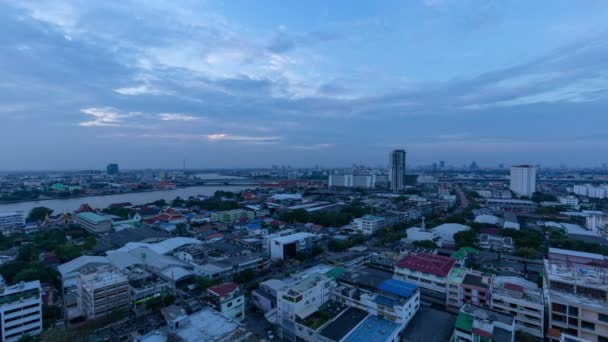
397 287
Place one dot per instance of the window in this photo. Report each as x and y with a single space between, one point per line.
573 311
602 317
587 325
556 307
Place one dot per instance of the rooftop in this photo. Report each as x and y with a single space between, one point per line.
373 328
292 237
343 324
223 289
398 287
95 218
457 275
428 263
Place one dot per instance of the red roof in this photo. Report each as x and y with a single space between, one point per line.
482 333
223 289
514 287
490 231
428 263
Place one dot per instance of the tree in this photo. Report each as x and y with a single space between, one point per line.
543 197
38 214
67 252
425 244
526 252
89 242
467 238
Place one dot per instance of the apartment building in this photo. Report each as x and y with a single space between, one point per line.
369 224
427 271
285 247
232 216
103 291
521 299
20 311
228 299
576 290
10 221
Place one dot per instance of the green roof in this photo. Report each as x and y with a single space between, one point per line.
457 275
464 251
335 272
93 217
464 322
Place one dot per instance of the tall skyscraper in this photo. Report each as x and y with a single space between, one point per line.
523 180
397 161
112 169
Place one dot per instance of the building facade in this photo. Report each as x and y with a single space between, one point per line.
229 300
285 247
476 324
397 162
94 223
102 292
523 180
429 272
523 300
232 216
20 311
369 224
10 221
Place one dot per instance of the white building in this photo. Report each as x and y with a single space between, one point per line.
369 224
476 323
488 219
10 221
20 310
523 300
571 201
589 190
102 292
429 272
523 180
284 247
229 300
352 181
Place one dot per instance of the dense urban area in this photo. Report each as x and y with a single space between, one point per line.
437 253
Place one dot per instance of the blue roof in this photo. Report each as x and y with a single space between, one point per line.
254 226
397 287
373 328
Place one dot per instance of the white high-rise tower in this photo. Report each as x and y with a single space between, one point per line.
523 180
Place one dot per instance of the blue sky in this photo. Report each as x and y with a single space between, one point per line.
251 84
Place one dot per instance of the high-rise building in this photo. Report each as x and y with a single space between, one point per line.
20 311
523 180
397 160
112 169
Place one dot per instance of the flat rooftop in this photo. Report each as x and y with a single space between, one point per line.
366 277
373 328
430 325
342 326
590 276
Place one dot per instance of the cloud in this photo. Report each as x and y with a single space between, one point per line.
103 117
242 138
138 90
178 117
312 147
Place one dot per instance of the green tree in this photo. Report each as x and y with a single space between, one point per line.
67 252
526 252
89 242
425 244
38 214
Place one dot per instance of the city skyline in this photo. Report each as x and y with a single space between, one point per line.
221 86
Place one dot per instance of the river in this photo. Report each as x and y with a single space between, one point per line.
71 204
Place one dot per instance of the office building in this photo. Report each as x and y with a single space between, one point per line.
475 323
112 169
228 299
10 221
20 311
94 223
285 247
103 291
576 293
397 162
523 180
523 300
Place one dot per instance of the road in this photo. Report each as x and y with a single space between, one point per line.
464 202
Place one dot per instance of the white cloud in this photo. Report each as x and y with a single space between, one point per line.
138 90
106 117
313 147
242 138
178 117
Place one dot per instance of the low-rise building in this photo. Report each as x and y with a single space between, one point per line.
228 299
475 323
10 221
576 293
521 299
103 291
20 311
427 271
369 224
93 223
496 242
232 216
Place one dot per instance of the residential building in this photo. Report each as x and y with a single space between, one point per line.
576 293
20 311
352 181
232 216
300 300
397 171
496 242
475 324
265 296
112 169
94 223
285 247
467 286
10 221
571 201
590 190
427 271
103 291
228 299
369 224
523 180
521 299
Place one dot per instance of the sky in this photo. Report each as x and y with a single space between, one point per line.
249 84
